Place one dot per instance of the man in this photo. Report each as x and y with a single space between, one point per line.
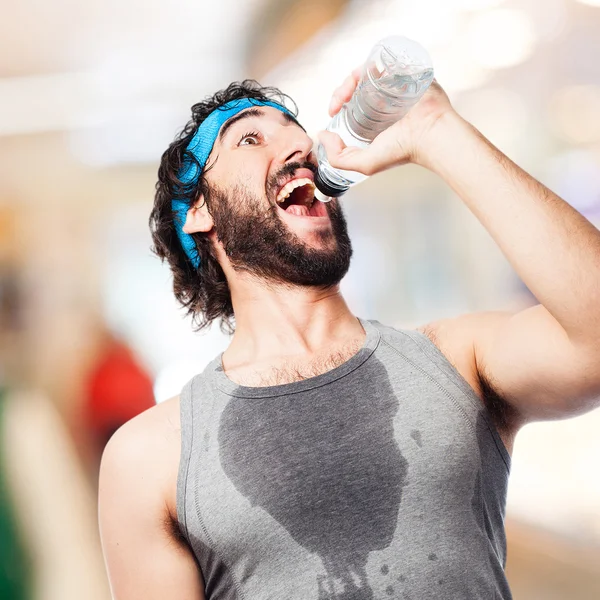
323 456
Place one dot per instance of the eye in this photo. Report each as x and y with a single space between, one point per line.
250 139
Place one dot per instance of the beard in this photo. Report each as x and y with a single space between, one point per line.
258 242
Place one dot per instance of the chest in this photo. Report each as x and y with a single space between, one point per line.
362 435
293 368
339 478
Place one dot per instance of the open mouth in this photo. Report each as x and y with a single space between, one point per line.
297 197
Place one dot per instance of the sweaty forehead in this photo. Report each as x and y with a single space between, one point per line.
256 114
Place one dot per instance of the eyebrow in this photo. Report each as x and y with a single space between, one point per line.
252 112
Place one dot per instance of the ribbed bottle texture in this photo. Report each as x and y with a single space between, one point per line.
394 78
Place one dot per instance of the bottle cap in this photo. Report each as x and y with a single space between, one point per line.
321 197
326 190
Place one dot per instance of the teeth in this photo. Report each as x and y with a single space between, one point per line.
289 187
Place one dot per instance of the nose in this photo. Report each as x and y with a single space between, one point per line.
297 146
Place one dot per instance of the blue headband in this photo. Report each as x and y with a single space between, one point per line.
200 147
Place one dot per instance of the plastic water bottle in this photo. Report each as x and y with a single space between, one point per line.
394 78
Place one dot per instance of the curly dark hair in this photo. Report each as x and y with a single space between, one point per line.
203 292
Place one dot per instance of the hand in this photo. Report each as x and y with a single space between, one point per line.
405 141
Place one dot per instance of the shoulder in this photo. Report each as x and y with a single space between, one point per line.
149 431
456 338
142 457
145 555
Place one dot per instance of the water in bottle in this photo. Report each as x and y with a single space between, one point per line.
394 78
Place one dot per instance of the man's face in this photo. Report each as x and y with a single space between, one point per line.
262 202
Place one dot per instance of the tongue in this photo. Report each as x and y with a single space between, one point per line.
298 209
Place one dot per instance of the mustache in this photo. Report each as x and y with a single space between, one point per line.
286 172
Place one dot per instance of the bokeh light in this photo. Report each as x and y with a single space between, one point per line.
575 113
501 38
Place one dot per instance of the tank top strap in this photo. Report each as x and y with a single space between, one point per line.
186 412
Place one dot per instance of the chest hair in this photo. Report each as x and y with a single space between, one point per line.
292 369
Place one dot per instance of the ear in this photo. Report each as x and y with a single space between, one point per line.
198 218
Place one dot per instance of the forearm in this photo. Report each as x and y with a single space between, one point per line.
553 248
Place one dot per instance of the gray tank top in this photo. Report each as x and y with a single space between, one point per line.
382 478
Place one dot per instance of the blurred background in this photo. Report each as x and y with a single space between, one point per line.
91 94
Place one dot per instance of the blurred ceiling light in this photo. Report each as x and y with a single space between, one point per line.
47 103
575 113
114 93
129 137
590 2
501 38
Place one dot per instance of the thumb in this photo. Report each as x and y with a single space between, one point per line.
340 156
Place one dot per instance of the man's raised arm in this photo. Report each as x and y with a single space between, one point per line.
545 360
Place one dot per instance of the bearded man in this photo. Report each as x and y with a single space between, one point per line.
324 456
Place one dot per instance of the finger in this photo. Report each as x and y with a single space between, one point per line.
344 92
344 157
332 142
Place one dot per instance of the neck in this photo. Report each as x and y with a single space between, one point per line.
274 322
